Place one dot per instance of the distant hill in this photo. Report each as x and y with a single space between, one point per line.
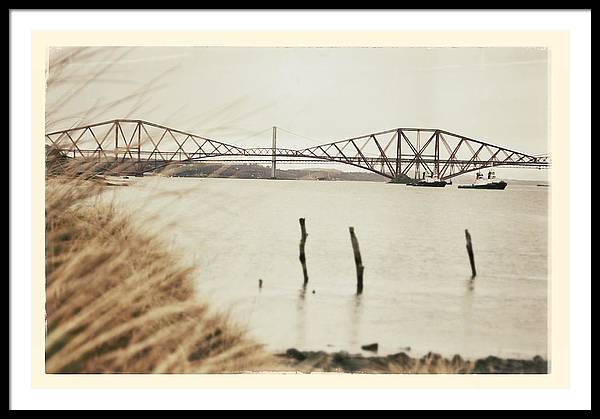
257 171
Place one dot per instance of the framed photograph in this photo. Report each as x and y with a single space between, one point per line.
300 209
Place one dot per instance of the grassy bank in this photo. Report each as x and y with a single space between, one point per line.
116 302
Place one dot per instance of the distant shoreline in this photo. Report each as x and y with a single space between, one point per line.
256 171
401 363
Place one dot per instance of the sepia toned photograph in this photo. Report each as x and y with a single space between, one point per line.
352 210
299 209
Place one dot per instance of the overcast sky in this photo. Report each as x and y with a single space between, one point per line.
498 95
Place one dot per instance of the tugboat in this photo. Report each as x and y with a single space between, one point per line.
490 183
428 181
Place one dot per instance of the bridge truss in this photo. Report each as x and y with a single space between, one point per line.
414 152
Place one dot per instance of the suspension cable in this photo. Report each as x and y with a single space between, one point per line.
301 136
254 135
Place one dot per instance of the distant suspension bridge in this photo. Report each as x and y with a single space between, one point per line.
136 146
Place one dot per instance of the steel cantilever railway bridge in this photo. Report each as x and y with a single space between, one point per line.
136 146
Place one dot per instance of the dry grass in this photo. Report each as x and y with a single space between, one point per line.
116 302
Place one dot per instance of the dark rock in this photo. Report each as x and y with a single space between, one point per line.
343 361
372 347
295 354
495 365
401 359
340 357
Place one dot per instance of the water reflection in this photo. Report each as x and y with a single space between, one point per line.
355 319
471 284
467 312
301 317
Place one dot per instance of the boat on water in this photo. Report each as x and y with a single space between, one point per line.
428 181
116 180
481 183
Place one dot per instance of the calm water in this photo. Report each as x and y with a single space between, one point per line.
417 292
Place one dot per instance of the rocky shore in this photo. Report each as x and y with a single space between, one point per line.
431 363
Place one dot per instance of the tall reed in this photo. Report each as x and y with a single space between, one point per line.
117 302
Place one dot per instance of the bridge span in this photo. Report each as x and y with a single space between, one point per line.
143 146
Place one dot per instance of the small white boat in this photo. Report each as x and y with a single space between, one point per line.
117 180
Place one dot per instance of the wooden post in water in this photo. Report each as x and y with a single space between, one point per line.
302 255
358 262
470 252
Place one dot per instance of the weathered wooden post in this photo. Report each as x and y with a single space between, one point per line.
470 252
302 255
357 261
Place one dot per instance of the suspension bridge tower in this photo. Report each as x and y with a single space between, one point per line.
273 153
